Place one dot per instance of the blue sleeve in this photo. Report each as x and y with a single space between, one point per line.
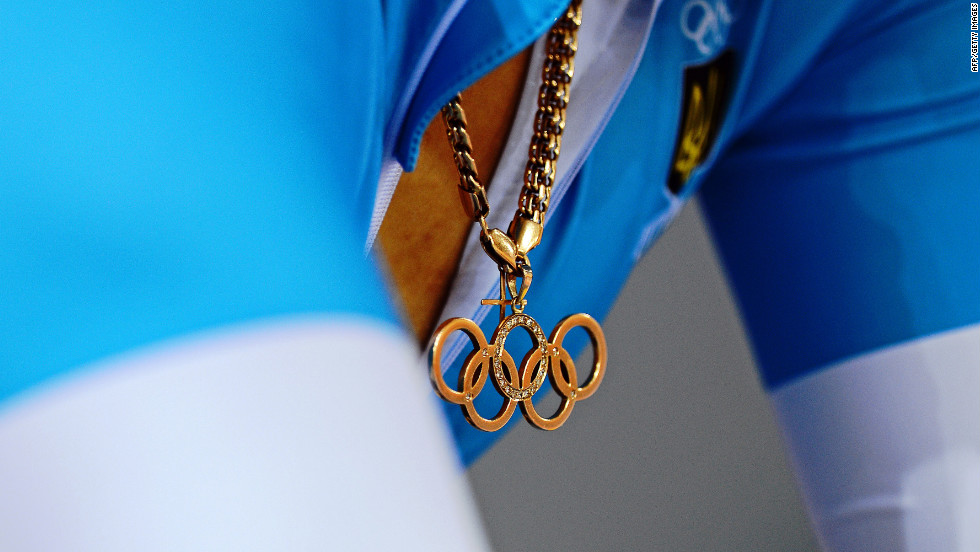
168 168
845 211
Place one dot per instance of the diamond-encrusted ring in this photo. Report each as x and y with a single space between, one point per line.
525 391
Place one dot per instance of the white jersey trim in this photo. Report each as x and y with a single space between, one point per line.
611 42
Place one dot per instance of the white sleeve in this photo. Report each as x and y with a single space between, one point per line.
887 446
307 434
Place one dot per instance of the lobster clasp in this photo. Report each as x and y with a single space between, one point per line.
518 294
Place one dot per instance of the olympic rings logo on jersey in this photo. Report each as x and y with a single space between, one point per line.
547 358
706 25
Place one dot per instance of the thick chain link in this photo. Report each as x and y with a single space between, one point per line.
549 121
509 250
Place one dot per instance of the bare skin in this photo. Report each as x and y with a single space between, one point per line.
424 231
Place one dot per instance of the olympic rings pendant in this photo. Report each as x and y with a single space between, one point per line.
518 386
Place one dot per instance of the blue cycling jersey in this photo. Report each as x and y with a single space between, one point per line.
170 169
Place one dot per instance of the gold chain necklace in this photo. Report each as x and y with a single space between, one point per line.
509 251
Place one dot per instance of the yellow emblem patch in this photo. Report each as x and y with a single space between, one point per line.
706 91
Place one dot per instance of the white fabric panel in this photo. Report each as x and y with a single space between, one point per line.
887 446
298 435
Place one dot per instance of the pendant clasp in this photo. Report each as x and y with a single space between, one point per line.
508 286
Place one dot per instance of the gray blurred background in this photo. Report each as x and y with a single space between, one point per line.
676 451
